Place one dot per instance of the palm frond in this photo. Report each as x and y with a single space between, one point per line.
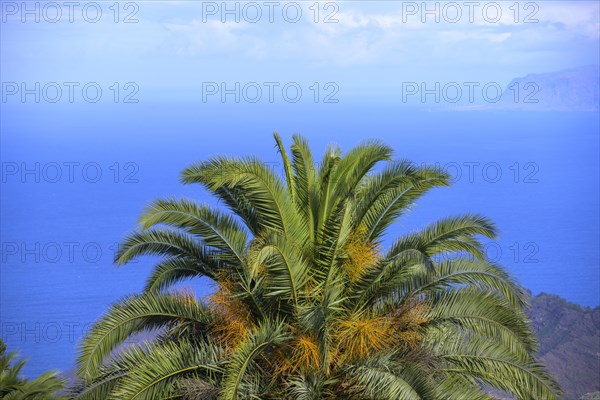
383 377
285 269
287 167
308 386
208 225
155 371
160 242
305 177
131 315
488 315
173 270
449 235
382 198
493 364
465 271
347 175
259 185
262 339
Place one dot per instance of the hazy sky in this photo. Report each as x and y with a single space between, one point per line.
368 47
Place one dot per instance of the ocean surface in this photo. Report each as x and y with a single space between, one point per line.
76 177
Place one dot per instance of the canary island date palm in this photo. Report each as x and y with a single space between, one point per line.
307 304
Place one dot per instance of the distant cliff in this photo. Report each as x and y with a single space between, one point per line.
576 89
569 343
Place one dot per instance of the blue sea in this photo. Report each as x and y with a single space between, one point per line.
76 176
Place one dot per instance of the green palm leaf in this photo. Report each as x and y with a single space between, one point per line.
209 226
132 315
154 372
260 341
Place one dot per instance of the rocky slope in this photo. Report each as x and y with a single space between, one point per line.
569 342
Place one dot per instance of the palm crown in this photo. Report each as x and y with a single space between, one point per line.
307 305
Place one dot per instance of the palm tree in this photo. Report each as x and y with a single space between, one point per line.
14 387
306 304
